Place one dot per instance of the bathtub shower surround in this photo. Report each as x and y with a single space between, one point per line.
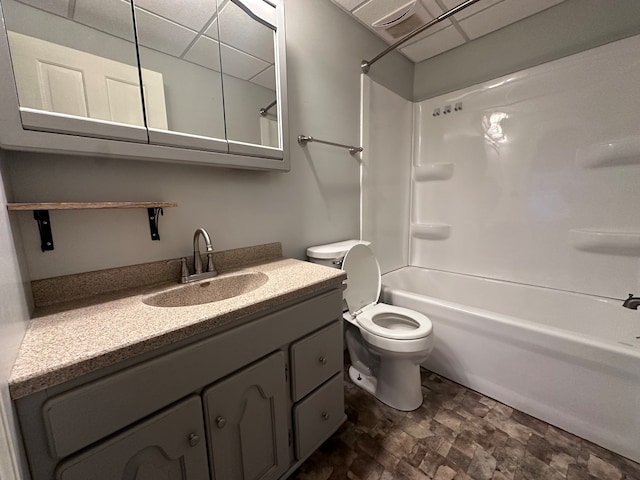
566 358
535 177
524 240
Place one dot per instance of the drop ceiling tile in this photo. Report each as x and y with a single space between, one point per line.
110 16
240 65
429 31
439 42
160 34
57 7
432 7
501 15
266 78
377 9
472 10
349 5
212 30
240 31
204 52
193 14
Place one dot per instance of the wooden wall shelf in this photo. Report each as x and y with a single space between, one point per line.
86 205
41 214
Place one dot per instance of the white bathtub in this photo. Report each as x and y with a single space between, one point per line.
572 360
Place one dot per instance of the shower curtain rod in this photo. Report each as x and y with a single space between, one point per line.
366 64
304 139
263 111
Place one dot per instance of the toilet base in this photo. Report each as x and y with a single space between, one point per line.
362 380
398 384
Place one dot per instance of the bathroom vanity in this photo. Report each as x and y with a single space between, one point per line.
248 387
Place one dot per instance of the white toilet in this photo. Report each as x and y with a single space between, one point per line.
386 343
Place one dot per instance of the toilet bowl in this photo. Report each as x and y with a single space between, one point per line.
386 343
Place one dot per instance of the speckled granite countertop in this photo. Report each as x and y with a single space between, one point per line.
67 340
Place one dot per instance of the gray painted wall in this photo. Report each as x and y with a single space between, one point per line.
14 313
317 202
565 29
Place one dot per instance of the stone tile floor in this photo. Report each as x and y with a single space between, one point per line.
455 434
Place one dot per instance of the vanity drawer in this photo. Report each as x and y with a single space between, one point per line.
315 358
318 416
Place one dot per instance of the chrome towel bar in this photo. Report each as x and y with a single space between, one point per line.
263 111
304 139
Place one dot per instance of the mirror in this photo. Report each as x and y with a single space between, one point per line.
248 56
210 71
179 39
77 60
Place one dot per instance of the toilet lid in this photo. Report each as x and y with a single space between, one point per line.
363 278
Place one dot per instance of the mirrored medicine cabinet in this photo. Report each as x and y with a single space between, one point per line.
172 80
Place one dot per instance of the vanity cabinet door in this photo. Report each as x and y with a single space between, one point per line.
168 446
247 423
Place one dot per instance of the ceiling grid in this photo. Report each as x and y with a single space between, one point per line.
477 20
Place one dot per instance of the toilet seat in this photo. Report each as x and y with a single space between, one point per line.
362 293
394 322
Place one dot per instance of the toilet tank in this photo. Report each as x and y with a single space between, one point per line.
331 255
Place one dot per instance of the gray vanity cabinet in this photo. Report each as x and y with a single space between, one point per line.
219 407
246 419
169 446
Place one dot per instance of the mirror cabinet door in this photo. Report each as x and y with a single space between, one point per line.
179 41
76 68
150 71
248 34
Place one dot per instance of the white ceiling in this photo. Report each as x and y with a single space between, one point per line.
475 21
185 29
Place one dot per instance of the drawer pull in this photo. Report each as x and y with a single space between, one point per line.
322 360
194 439
221 422
326 416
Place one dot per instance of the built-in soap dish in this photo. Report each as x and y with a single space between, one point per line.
433 171
431 231
606 241
624 151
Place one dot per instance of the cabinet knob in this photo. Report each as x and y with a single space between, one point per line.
325 415
221 422
322 359
194 439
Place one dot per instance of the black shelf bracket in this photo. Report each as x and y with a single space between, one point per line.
44 226
154 215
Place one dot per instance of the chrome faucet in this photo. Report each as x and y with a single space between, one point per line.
632 302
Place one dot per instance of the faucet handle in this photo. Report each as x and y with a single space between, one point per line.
184 270
210 266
